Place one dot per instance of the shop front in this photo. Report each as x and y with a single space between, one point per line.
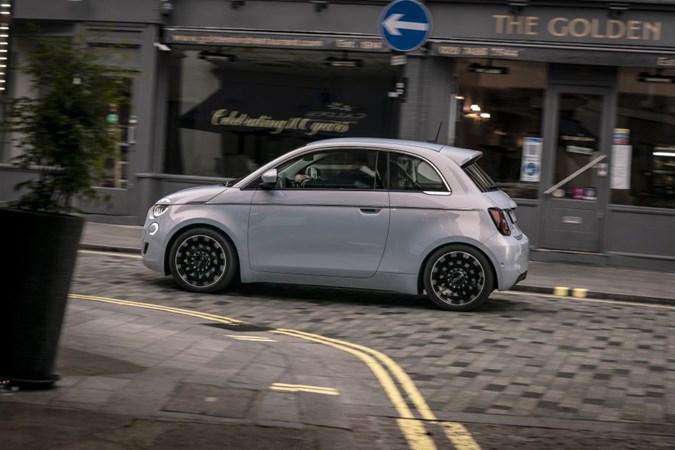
571 102
233 109
573 110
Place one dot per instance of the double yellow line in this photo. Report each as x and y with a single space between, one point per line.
411 407
389 374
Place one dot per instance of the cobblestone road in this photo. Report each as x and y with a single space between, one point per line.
520 361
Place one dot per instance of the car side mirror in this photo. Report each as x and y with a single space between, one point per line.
269 179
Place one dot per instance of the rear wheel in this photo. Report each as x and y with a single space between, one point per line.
203 260
458 277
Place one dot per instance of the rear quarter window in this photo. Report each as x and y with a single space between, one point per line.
409 173
479 177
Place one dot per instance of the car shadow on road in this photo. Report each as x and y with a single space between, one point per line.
320 295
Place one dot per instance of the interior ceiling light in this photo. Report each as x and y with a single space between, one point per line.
657 77
216 57
342 62
489 69
319 5
236 4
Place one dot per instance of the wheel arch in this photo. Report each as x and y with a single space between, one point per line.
177 233
420 271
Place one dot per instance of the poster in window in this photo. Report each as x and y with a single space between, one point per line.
530 167
621 159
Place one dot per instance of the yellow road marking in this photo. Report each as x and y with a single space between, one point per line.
457 434
579 292
251 338
412 428
561 291
461 438
304 388
118 254
184 312
590 300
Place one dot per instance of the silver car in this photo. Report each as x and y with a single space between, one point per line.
385 214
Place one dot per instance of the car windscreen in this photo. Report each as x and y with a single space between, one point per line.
480 178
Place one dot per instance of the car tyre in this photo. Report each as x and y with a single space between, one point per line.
458 277
203 260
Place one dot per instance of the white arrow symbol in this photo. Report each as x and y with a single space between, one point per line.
392 24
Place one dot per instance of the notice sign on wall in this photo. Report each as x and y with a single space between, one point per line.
621 159
530 166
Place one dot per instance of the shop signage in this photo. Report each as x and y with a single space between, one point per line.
331 120
293 110
405 25
271 40
578 27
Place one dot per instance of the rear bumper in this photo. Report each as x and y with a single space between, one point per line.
512 257
521 277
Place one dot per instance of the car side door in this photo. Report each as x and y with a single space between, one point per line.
328 215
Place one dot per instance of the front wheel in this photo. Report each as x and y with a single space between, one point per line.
458 278
203 260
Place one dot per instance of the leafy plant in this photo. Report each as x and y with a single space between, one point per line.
62 132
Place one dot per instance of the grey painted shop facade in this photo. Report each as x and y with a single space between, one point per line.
572 103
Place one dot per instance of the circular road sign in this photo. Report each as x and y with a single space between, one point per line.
405 25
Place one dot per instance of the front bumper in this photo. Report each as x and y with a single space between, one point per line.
152 244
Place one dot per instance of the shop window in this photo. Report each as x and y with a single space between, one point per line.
497 109
122 127
232 112
643 151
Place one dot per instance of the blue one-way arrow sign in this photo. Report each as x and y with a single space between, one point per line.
405 25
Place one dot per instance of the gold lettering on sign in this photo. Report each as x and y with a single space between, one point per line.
555 27
664 61
345 43
615 29
506 24
578 27
224 117
445 50
652 31
371 45
475 51
509 52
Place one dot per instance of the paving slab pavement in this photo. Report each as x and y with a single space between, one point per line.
133 377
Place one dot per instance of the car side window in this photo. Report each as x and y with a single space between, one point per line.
333 169
410 173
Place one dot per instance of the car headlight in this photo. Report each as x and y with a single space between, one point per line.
161 207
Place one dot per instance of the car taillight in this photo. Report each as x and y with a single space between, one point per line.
499 218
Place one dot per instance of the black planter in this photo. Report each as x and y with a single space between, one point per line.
40 251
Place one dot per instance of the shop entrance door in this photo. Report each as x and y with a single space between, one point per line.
575 197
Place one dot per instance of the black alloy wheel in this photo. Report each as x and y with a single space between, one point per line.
203 260
458 277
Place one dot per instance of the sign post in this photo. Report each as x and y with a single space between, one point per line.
405 25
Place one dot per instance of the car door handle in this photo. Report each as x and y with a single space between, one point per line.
370 210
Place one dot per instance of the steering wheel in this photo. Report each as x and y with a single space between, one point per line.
283 182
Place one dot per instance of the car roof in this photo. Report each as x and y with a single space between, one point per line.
460 156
